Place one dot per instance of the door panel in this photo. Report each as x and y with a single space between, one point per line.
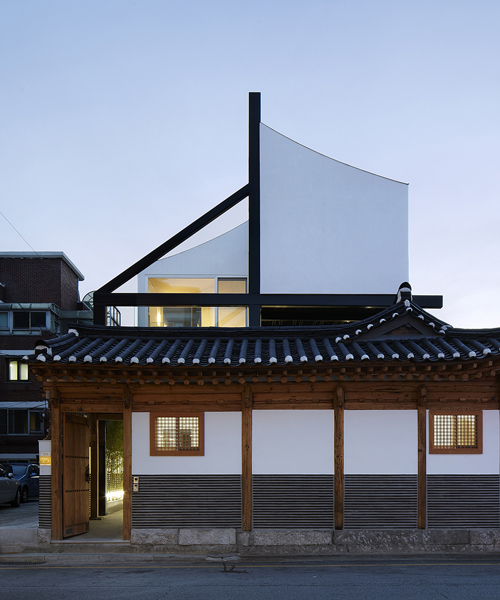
75 476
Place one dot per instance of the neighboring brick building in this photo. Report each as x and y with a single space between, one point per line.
38 299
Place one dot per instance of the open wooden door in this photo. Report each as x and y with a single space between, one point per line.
76 475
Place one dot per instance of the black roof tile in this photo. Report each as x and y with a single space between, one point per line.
403 332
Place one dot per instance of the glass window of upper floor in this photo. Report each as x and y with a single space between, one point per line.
197 316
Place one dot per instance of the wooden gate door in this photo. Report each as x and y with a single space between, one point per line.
75 475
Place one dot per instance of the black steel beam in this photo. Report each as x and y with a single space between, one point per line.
100 314
368 300
254 116
172 243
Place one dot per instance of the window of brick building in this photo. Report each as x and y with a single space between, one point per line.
18 371
20 421
455 432
35 319
173 434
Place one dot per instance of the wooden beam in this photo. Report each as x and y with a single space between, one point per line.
88 407
338 443
94 467
127 464
56 466
246 459
422 458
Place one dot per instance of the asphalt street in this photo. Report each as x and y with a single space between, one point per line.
332 578
25 515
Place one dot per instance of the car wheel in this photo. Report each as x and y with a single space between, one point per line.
24 495
17 500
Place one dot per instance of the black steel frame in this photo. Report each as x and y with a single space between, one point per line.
106 295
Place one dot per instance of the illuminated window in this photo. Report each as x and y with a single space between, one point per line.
232 316
197 316
181 316
456 432
18 371
176 435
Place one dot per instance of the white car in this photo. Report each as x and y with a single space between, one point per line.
10 489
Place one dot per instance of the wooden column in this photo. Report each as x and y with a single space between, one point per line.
127 464
338 404
246 459
422 456
94 468
56 464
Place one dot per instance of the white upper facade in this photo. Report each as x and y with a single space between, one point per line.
325 228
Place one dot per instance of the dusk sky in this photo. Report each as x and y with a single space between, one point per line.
123 121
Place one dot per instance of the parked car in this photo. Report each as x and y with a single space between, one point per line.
10 488
29 478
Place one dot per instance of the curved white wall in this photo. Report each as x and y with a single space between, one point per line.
327 227
380 442
222 448
298 442
224 256
487 463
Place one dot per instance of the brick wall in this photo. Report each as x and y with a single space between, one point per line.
69 288
23 342
30 280
39 280
18 391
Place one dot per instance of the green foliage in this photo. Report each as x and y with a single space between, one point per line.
114 447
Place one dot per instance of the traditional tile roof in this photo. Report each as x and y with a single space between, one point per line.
403 332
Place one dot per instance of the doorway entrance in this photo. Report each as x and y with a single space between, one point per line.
92 476
106 490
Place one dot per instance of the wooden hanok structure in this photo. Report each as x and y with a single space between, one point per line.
390 422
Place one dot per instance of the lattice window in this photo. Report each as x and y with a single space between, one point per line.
176 435
456 432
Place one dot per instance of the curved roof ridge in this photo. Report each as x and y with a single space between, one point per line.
201 243
334 159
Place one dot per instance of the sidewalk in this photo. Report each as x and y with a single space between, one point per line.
21 541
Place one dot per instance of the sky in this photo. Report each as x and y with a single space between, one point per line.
123 121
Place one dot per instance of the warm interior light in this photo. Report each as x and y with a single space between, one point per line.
116 495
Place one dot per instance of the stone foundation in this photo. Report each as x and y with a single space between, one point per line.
266 542
274 542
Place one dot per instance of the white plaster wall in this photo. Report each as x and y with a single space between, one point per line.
222 448
224 256
298 442
487 463
380 442
327 227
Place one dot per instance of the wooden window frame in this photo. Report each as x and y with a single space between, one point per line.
154 451
477 413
